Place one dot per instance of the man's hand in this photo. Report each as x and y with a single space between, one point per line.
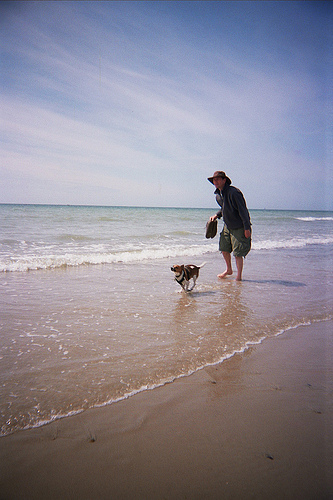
213 217
247 233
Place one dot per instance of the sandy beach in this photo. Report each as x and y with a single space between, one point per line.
259 425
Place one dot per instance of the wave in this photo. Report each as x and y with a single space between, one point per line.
293 243
34 263
74 237
313 219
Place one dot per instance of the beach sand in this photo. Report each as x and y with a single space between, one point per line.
258 425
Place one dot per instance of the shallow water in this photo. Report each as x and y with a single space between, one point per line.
77 333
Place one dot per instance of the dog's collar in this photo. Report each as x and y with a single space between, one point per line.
183 276
180 278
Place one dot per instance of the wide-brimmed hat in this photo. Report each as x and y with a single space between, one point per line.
221 174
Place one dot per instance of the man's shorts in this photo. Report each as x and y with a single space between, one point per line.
233 240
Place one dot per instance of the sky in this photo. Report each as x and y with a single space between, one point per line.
136 103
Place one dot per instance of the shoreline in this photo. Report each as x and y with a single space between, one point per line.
74 413
257 425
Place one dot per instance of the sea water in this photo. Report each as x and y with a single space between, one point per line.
91 314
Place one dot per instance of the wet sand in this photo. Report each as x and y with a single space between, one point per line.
257 426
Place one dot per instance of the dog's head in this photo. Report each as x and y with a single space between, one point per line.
177 269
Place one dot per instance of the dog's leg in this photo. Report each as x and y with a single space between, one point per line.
194 278
194 282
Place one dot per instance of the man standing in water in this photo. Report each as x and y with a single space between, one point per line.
236 234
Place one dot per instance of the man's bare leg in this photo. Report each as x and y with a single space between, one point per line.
239 264
228 271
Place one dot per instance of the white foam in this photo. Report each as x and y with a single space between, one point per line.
313 219
140 253
292 243
35 262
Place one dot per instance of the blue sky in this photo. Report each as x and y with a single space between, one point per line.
137 103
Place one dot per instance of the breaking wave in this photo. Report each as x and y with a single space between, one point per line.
22 263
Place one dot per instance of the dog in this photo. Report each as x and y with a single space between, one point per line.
183 275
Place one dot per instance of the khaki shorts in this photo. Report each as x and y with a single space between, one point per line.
233 240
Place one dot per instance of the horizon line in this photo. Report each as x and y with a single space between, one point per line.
157 207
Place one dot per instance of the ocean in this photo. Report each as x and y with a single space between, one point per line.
91 313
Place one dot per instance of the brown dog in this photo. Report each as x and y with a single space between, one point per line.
183 275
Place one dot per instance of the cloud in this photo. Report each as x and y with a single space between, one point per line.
122 101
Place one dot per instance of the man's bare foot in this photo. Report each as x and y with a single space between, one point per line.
226 273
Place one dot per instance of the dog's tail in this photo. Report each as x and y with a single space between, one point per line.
202 264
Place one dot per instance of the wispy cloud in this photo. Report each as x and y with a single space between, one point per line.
116 98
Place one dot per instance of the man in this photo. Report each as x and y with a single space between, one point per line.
236 234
